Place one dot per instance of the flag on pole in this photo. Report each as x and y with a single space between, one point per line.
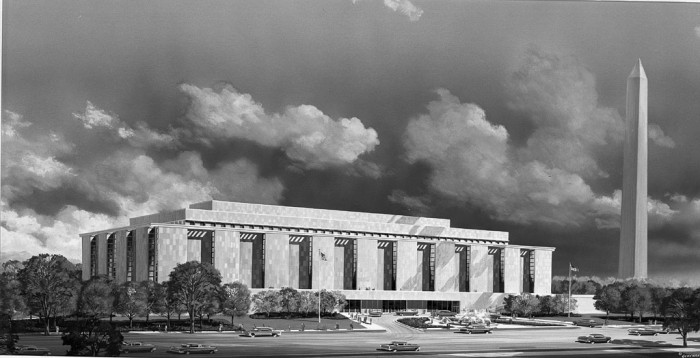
572 268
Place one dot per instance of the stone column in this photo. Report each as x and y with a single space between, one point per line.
446 267
276 260
171 250
102 253
407 274
513 279
367 264
86 257
480 270
227 254
120 255
323 262
141 253
543 272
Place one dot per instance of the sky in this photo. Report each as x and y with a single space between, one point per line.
497 115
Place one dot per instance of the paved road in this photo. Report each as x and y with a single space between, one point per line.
503 343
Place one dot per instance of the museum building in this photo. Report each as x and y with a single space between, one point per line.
378 261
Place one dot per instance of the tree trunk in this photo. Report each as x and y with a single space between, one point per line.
191 312
148 313
168 319
231 321
131 322
684 334
46 326
607 314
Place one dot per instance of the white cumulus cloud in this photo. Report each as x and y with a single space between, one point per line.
304 132
139 136
406 7
657 136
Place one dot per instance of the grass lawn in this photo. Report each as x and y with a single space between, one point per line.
308 323
615 319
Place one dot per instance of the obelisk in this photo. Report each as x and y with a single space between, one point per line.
633 222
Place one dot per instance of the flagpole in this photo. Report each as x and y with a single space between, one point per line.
569 300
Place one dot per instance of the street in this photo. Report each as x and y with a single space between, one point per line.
533 342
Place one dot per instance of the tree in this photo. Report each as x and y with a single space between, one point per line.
510 304
307 302
266 301
546 305
331 300
637 298
681 311
658 294
90 336
192 284
236 301
527 304
560 304
155 297
96 298
11 301
46 282
609 298
289 299
130 301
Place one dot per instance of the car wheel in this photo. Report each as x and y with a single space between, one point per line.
211 352
656 334
592 342
126 351
469 332
417 349
608 341
187 352
393 351
153 349
252 335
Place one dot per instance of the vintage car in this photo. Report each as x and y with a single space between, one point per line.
476 328
444 313
594 338
588 323
133 347
643 332
407 313
263 331
31 351
399 346
375 313
192 348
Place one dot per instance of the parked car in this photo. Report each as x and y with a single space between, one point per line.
444 313
407 313
375 313
588 323
594 338
129 347
263 331
643 332
476 328
188 348
31 351
399 346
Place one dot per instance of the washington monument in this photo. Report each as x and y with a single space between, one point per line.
633 223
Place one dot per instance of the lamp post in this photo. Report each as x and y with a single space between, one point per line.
571 269
568 310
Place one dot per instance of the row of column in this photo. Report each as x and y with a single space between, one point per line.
234 258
